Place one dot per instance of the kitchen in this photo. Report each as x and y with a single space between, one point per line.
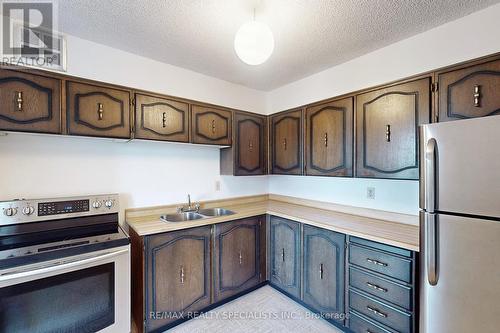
316 159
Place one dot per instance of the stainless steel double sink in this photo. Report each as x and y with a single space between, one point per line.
196 215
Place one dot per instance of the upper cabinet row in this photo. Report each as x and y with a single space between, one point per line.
375 133
32 103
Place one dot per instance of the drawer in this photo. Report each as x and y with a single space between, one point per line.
392 292
357 324
381 262
380 312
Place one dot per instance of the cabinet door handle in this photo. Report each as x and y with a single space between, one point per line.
326 139
283 254
19 101
376 262
182 275
284 143
377 312
374 286
250 145
241 258
321 271
100 111
213 126
164 119
388 133
477 95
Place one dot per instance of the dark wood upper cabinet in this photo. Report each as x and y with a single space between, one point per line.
387 129
210 125
285 255
237 256
178 274
97 110
159 118
324 267
469 92
286 143
248 155
329 138
29 103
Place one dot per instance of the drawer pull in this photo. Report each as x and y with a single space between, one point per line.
250 145
326 139
164 119
374 286
213 126
388 133
182 275
477 95
376 262
284 143
19 101
240 258
321 271
100 111
283 254
377 312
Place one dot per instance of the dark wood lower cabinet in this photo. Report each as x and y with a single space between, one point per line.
177 275
237 256
285 255
324 264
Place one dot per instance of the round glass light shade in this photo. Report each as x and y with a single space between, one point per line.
254 42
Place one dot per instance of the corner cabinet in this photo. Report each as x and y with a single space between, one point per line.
237 257
329 135
387 129
97 110
287 143
248 155
29 103
158 118
469 92
324 262
210 125
285 255
177 274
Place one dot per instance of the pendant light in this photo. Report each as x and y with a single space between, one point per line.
254 42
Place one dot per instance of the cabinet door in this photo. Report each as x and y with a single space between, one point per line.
387 129
324 260
470 92
178 274
161 119
329 138
285 255
29 103
210 125
250 144
237 256
286 143
97 111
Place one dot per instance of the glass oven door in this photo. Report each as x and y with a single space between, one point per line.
86 293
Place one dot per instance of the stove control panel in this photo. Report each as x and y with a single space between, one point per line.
21 211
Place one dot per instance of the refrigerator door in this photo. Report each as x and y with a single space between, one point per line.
466 275
467 164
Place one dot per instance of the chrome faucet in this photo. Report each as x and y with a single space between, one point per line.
189 208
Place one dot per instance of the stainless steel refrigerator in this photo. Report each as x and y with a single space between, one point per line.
460 226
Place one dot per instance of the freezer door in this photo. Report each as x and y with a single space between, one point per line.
467 160
466 291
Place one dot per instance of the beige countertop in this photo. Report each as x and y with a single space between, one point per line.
400 230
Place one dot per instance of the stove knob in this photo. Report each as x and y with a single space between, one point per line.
28 210
96 204
108 203
10 211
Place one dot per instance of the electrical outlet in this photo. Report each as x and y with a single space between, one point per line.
217 185
370 192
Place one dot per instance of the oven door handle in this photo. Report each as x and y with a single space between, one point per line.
61 265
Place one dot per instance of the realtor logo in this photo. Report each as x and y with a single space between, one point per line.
28 34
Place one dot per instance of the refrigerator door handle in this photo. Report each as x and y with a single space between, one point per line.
431 246
430 181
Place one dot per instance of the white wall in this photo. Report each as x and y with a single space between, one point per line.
470 37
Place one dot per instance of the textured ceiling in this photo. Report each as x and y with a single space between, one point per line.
310 35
